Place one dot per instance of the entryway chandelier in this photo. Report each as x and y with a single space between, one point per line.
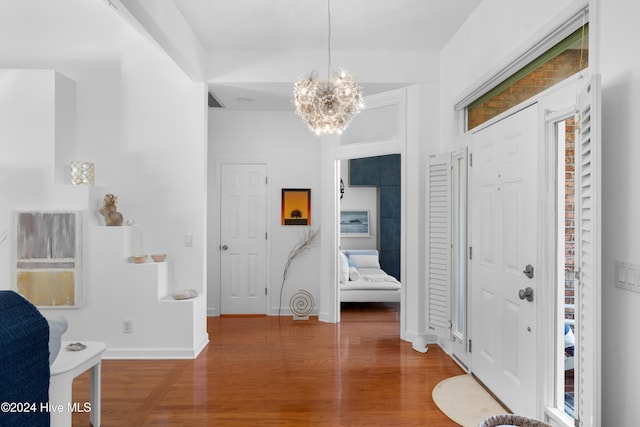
327 106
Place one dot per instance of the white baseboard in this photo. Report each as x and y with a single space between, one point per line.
286 311
156 353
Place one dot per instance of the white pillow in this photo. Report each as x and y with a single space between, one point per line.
344 267
354 274
57 326
365 261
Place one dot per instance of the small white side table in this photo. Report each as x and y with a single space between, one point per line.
67 366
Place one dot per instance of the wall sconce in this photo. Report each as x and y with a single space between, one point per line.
82 173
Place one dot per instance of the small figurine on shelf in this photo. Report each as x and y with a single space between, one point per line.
109 211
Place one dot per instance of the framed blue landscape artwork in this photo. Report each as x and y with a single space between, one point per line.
354 223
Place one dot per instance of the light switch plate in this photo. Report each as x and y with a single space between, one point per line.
628 276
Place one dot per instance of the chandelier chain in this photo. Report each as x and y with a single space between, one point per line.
328 106
329 39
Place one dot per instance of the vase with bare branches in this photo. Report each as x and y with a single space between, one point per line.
306 242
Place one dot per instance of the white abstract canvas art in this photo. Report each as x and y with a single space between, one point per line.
47 258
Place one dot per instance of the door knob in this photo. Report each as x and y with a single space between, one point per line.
526 293
224 247
528 271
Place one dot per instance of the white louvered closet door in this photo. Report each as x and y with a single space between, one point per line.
439 244
588 409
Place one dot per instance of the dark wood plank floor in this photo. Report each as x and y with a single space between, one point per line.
270 371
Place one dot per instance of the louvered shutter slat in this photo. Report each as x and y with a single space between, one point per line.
588 239
439 243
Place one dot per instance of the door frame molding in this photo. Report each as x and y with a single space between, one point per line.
547 253
463 358
332 152
550 339
555 109
547 248
556 103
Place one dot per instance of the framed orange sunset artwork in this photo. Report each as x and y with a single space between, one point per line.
296 206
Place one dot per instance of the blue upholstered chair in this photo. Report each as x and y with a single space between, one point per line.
24 362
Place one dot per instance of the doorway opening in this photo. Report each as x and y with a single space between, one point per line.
370 233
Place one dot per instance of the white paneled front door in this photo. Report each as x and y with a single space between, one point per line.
504 242
243 239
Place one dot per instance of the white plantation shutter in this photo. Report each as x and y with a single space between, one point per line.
588 238
439 243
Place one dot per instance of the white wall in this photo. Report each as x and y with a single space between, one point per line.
143 123
620 206
292 153
27 151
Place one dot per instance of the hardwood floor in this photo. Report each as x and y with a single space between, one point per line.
274 371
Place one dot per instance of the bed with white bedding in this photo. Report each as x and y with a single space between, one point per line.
362 279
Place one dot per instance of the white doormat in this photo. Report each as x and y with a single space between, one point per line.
465 401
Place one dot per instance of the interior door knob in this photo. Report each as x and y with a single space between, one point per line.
526 293
224 247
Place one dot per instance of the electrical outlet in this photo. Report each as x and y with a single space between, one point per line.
127 326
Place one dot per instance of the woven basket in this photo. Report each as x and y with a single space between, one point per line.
512 420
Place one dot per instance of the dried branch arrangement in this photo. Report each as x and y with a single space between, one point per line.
306 242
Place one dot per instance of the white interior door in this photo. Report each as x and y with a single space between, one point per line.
504 241
243 239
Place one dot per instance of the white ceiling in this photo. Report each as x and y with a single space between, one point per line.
302 25
256 25
264 44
